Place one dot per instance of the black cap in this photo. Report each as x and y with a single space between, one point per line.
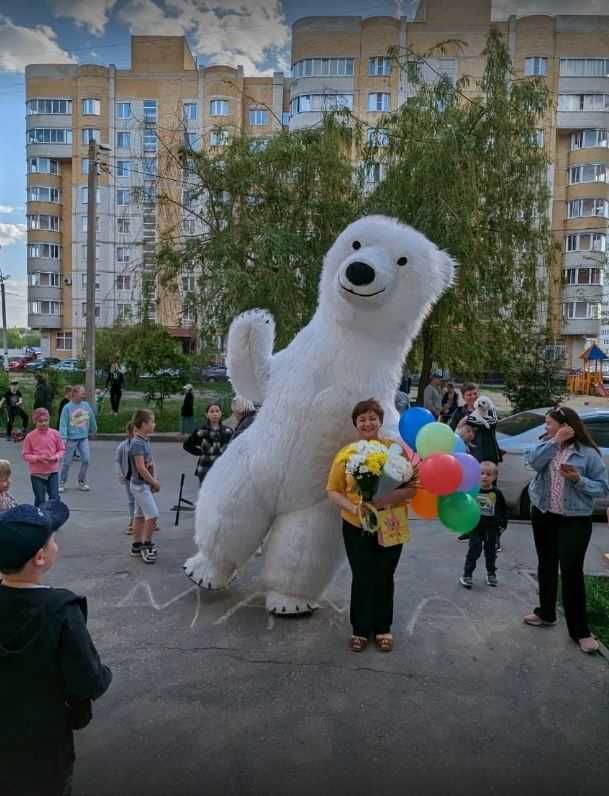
25 529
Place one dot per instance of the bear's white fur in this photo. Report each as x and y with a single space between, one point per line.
272 478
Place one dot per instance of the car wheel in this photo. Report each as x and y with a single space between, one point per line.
525 505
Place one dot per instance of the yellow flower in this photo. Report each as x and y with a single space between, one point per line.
375 462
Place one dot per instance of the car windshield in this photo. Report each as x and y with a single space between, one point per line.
518 424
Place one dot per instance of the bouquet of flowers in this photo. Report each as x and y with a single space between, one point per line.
376 470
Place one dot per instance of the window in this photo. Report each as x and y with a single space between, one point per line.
63 341
122 254
579 208
536 66
123 140
149 167
85 223
84 166
83 280
51 251
45 279
123 110
97 310
188 226
588 172
50 223
44 166
191 140
124 312
321 102
123 282
123 225
89 134
538 137
150 141
47 105
258 117
150 110
583 102
122 197
90 107
589 138
84 194
219 108
584 67
49 135
582 276
46 308
323 67
302 104
378 137
258 144
285 118
43 193
380 65
190 111
578 310
375 173
123 168
599 431
84 257
379 102
218 137
188 314
586 242
149 192
189 283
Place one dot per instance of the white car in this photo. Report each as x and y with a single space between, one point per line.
519 432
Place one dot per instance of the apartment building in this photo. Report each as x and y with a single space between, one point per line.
336 62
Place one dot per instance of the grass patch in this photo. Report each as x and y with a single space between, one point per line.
167 420
597 592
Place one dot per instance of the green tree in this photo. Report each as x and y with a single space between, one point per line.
269 213
533 379
469 174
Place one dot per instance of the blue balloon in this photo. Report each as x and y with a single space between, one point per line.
460 446
412 421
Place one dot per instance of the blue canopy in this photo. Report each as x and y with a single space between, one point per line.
594 353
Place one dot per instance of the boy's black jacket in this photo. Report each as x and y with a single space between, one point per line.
48 666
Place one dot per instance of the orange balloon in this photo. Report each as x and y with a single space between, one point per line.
425 504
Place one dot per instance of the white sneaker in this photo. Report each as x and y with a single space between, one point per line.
62 486
84 486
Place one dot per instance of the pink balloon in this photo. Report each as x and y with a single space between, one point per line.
471 471
440 473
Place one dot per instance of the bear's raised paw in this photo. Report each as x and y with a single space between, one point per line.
206 575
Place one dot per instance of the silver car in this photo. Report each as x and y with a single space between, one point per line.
519 432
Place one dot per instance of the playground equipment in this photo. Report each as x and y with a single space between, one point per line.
589 381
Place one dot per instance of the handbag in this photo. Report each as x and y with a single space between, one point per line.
393 526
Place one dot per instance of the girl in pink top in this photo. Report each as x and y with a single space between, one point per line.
43 450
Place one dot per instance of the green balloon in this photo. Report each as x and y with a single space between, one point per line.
459 512
475 490
435 438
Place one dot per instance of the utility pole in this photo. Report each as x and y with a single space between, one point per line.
91 272
3 278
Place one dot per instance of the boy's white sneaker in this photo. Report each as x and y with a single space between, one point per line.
62 486
84 486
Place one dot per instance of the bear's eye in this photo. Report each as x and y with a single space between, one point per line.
357 244
402 260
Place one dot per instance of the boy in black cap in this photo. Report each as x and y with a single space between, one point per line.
49 668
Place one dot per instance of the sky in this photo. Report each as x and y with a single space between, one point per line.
255 33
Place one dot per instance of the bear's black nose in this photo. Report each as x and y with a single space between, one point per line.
360 273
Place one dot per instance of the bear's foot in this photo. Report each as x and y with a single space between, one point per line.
289 605
207 575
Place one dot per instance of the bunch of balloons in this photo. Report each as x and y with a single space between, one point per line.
449 477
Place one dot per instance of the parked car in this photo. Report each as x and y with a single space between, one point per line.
68 365
520 432
173 373
17 363
214 373
42 363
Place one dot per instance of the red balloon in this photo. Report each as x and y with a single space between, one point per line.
440 473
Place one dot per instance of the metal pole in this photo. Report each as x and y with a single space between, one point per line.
91 274
4 333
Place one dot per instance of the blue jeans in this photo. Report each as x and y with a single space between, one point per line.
45 486
130 501
73 445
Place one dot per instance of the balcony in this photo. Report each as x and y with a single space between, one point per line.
589 327
44 321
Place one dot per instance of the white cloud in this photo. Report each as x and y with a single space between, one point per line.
16 303
20 46
502 9
90 14
10 209
11 233
225 31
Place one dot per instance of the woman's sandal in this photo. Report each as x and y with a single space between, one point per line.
384 643
358 644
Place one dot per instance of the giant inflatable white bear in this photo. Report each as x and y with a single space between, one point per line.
379 281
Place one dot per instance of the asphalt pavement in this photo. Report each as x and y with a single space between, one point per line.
212 696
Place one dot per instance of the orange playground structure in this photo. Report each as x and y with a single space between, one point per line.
589 380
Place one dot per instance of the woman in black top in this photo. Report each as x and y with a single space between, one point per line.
187 411
208 442
116 382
